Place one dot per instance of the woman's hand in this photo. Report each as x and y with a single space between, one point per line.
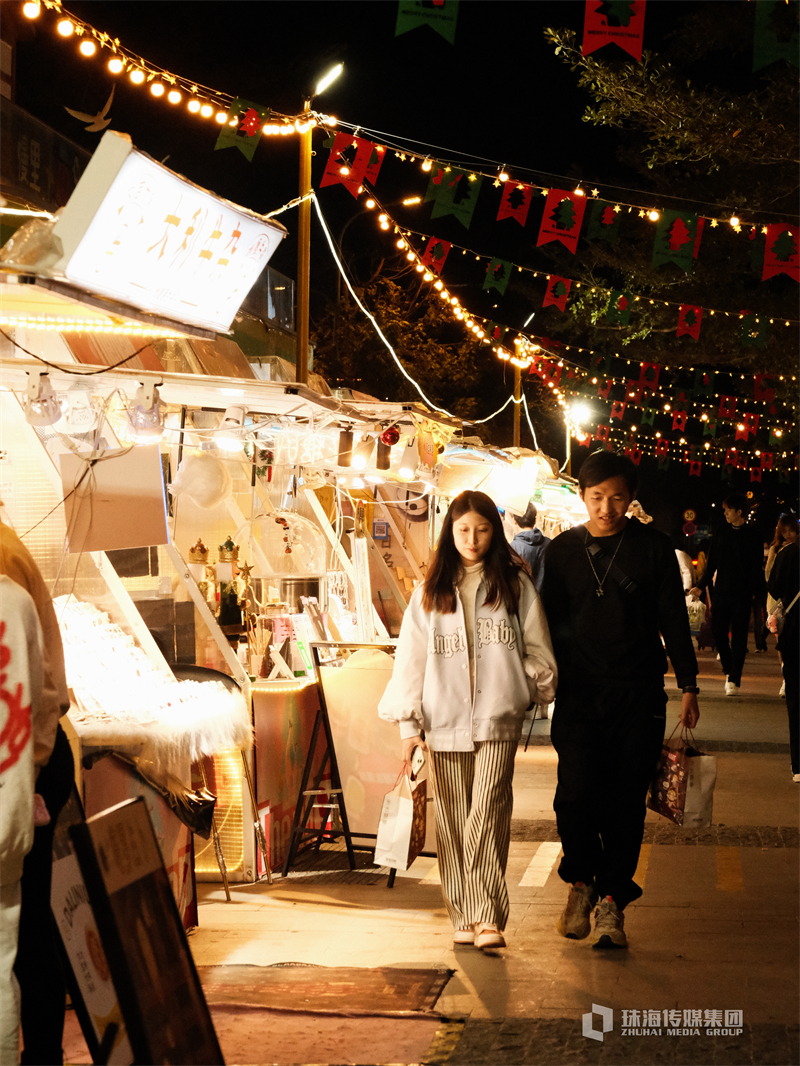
408 747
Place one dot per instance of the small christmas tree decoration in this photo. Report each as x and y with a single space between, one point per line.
617 409
689 319
562 218
604 222
436 254
557 292
675 240
614 22
498 273
515 202
618 309
782 251
764 387
246 134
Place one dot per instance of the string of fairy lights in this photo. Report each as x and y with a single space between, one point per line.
208 103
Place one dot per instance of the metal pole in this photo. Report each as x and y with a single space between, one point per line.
304 252
568 466
517 404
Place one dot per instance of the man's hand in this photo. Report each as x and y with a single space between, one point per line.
690 712
695 593
408 747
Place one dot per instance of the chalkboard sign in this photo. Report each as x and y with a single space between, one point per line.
165 1012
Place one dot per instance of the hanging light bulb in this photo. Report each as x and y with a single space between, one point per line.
363 453
116 66
42 406
231 428
145 417
137 76
157 89
87 48
194 106
206 110
653 215
65 27
32 10
408 464
345 456
174 96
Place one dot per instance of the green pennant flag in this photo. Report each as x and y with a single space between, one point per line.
675 238
496 332
709 429
457 194
246 134
603 222
498 274
783 477
441 17
648 416
754 331
663 464
776 34
619 307
701 389
598 362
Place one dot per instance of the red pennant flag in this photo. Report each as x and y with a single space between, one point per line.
648 377
603 390
755 473
749 424
662 447
727 407
537 366
731 457
602 433
782 251
633 390
622 24
515 202
436 254
355 171
557 292
552 372
766 460
764 387
694 468
562 218
689 318
634 454
679 420
751 421
618 409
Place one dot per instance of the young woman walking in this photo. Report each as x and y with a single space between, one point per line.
474 652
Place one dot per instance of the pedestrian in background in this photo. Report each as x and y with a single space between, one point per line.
784 582
529 543
611 590
474 651
732 576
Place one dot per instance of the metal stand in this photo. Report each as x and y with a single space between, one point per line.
223 868
260 838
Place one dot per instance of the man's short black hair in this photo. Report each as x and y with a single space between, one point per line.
602 465
736 502
528 520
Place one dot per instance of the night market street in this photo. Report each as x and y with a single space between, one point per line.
716 929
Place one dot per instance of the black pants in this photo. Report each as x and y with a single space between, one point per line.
791 677
731 615
38 967
608 743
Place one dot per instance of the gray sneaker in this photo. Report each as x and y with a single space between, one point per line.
574 922
609 922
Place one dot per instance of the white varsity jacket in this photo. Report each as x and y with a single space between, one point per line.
430 685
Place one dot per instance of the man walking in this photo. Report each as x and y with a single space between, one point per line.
529 543
611 589
734 565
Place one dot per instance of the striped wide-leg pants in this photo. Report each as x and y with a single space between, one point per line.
473 829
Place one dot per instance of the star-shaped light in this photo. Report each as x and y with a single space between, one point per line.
641 213
714 223
595 192
496 183
617 209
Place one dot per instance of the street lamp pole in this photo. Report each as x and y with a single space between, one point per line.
568 463
517 402
304 231
304 250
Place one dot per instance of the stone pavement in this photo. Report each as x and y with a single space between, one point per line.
711 974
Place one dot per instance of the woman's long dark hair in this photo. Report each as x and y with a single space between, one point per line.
447 567
785 522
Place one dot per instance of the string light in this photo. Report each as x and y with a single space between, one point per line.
116 66
87 48
65 27
32 10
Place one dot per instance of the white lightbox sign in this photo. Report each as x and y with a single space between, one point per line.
139 233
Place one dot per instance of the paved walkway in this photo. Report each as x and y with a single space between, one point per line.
711 974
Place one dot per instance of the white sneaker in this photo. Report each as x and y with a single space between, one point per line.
488 936
796 778
464 936
731 689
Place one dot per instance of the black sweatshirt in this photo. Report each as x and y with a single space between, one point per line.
736 556
613 639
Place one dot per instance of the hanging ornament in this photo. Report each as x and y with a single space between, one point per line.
614 23
557 292
603 222
515 202
782 251
561 221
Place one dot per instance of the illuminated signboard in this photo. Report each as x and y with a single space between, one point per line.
136 232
